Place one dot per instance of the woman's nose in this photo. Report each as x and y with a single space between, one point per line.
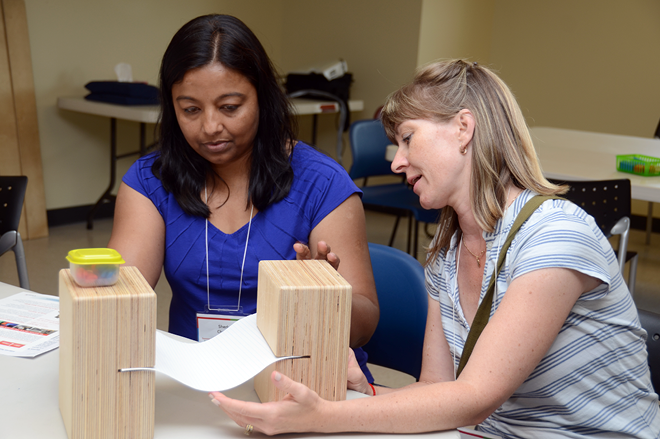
400 161
212 123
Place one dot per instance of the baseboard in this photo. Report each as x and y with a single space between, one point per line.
78 214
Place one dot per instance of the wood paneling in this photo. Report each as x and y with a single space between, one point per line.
19 131
10 163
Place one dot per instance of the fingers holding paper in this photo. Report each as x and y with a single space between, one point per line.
300 410
323 252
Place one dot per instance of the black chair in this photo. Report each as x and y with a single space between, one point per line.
12 194
608 201
399 337
368 145
649 215
651 323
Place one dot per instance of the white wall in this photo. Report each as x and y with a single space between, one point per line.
455 29
589 65
377 38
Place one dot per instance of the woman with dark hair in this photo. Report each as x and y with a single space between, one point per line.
548 345
230 186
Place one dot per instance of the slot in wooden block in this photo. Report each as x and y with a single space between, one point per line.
102 330
304 308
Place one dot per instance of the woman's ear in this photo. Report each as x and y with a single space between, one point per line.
466 122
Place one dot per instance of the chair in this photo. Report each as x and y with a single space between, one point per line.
651 323
368 144
399 337
12 194
649 215
608 201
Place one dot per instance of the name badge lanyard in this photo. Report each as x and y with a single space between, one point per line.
240 284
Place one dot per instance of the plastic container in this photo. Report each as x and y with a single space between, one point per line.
94 267
638 164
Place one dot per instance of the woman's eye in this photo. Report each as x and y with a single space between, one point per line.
229 108
406 139
191 110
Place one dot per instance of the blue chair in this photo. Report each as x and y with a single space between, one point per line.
399 337
368 144
12 194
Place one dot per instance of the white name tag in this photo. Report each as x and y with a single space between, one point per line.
210 325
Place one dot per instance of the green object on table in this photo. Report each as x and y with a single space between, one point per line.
638 164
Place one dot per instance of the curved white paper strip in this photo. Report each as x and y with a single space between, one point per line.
221 363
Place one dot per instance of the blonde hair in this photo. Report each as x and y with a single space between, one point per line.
502 149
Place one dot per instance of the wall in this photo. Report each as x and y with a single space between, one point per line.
377 38
583 65
588 65
455 29
77 41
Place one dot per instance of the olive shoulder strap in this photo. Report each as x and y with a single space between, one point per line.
483 312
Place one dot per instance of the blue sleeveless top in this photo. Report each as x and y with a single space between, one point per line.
319 186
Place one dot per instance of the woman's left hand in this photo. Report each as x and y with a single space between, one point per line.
323 252
301 410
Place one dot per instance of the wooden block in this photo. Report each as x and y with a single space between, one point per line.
304 308
102 330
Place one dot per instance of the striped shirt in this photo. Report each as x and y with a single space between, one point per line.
594 381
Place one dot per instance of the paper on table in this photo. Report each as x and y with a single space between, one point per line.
29 324
221 363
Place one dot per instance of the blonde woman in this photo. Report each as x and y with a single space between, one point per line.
562 353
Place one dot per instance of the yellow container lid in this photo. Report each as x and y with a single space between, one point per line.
89 256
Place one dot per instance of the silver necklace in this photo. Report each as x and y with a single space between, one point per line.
240 284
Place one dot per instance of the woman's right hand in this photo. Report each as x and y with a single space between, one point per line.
356 379
301 410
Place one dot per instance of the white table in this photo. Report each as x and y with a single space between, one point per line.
582 155
29 404
149 113
144 114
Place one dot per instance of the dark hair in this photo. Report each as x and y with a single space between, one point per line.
227 40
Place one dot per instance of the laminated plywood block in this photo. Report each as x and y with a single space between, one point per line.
102 330
304 308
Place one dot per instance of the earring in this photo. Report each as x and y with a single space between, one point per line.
464 150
